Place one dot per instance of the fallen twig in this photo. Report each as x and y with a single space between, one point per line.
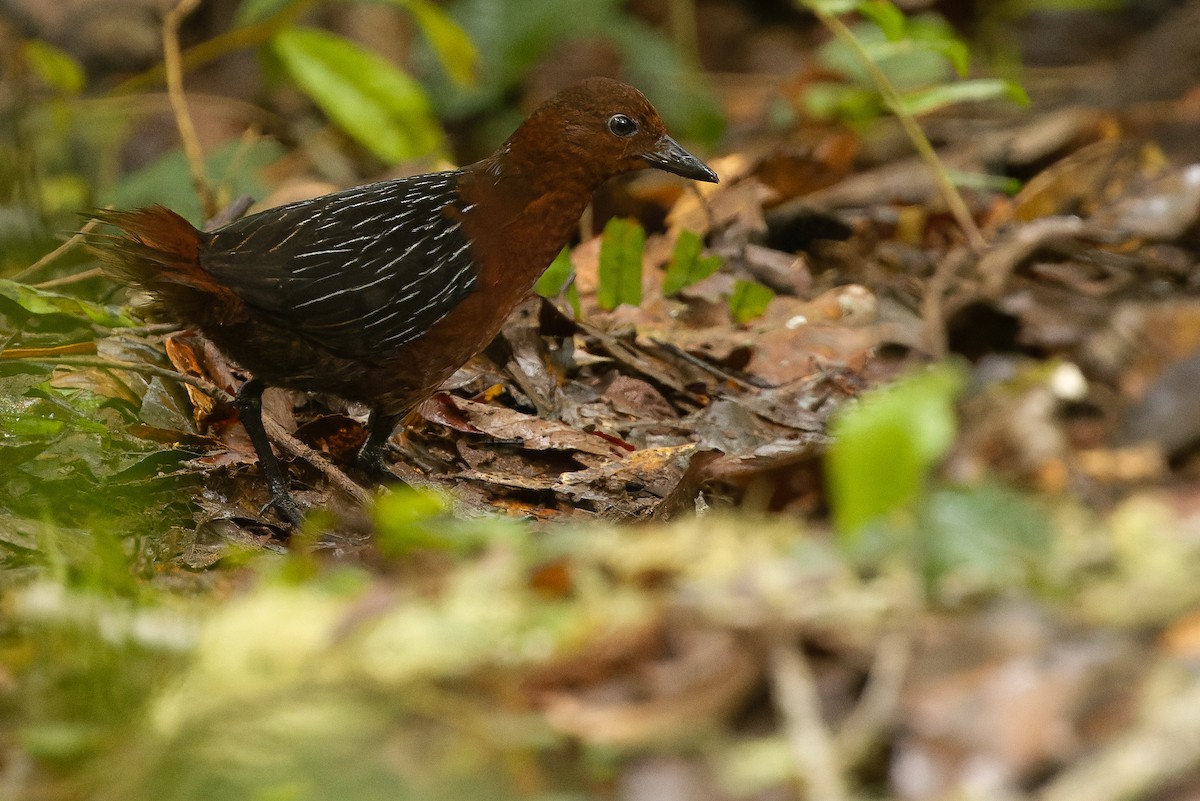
53 255
875 712
800 707
933 302
75 278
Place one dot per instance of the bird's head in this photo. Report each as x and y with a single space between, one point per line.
601 128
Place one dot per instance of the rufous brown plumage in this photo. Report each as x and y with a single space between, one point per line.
380 292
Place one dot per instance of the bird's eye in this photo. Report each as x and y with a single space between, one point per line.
621 125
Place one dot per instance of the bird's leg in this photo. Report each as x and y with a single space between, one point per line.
248 403
371 457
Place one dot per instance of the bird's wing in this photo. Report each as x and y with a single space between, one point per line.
357 272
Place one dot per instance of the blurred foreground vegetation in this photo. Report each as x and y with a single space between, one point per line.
151 649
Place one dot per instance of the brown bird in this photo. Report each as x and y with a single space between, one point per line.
379 293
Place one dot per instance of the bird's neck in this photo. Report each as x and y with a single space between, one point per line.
529 212
526 175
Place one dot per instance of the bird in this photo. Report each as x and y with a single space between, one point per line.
379 293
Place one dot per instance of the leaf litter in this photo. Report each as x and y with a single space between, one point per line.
1016 623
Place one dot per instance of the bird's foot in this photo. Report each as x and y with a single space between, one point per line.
286 507
374 464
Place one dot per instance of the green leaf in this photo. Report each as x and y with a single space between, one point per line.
57 68
168 181
884 446
890 19
621 264
828 101
514 38
556 275
408 518
938 97
454 48
835 7
21 427
915 62
749 300
982 537
953 50
687 265
382 108
41 301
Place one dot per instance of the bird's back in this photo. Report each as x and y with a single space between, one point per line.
358 272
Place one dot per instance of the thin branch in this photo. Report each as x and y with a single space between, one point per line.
147 329
796 698
74 278
172 62
332 472
933 302
875 712
953 198
55 254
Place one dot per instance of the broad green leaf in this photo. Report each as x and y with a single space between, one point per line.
890 19
884 446
19 427
408 518
236 166
57 68
44 417
955 51
927 100
907 64
41 301
749 300
556 275
981 537
621 264
845 101
454 48
910 61
687 265
832 6
381 107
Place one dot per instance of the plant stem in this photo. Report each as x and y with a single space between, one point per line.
172 63
954 199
